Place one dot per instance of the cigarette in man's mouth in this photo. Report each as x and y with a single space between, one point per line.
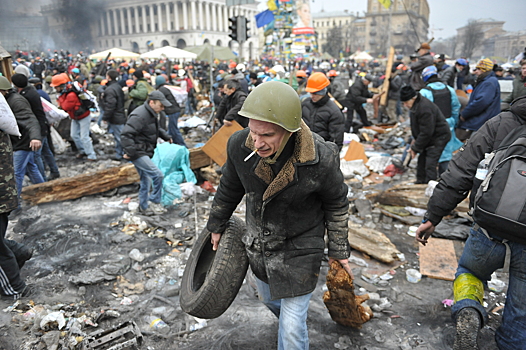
250 155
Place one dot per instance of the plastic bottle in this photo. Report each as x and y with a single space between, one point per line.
156 324
482 168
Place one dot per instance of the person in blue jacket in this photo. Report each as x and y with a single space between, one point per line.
484 102
447 101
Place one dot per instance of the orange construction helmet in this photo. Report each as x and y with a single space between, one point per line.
332 73
317 82
301 73
103 82
130 82
131 71
59 79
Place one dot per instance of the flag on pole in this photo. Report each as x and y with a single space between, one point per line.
271 4
385 3
264 18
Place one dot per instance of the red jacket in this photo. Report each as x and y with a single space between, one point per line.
70 102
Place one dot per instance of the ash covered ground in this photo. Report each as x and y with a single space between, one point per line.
98 265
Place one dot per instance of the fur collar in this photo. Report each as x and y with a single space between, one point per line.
304 151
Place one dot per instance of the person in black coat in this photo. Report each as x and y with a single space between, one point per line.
44 153
139 139
430 132
172 113
323 117
357 95
113 98
231 104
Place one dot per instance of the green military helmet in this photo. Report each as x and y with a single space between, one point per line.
98 79
276 103
4 83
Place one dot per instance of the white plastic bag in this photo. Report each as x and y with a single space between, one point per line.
178 93
59 144
7 118
53 114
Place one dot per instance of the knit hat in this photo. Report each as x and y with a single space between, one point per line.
369 78
485 65
160 80
407 93
138 74
19 80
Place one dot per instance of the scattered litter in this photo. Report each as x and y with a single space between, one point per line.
413 276
448 302
52 320
412 231
416 211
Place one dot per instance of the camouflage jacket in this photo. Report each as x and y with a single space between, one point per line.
8 193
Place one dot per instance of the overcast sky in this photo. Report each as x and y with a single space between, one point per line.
445 16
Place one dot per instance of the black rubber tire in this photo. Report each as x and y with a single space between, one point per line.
211 280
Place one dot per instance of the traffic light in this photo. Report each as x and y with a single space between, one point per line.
234 29
242 29
247 29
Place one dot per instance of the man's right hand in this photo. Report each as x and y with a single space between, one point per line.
215 240
125 156
35 145
424 231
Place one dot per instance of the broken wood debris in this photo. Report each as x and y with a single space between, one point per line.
373 243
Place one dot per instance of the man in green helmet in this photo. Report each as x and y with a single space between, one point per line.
294 194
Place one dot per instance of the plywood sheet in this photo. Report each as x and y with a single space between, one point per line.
215 147
438 259
355 151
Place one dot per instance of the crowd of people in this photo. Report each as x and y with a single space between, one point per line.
295 118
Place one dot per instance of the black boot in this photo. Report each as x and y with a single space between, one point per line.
22 252
468 326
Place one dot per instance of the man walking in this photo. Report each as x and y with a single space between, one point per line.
231 104
486 250
430 132
80 117
139 139
295 193
113 99
357 95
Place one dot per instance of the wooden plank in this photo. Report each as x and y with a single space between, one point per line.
385 86
438 259
215 147
80 185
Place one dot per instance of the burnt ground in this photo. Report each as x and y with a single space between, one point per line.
82 268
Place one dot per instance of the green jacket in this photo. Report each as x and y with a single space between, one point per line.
141 91
8 193
519 89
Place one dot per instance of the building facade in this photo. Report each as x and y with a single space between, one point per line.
351 25
144 25
404 26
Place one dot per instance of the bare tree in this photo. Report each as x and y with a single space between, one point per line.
472 38
334 42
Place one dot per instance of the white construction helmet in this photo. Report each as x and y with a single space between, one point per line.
241 67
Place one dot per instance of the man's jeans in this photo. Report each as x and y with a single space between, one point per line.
148 173
173 130
116 130
44 154
80 135
481 257
25 161
292 314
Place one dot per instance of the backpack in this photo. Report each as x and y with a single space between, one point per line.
87 99
500 203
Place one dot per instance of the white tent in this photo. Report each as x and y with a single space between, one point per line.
361 55
115 53
169 52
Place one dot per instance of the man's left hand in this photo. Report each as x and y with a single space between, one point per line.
227 123
413 154
345 265
125 156
171 140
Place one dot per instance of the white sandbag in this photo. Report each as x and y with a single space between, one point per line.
178 93
7 118
58 142
53 114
